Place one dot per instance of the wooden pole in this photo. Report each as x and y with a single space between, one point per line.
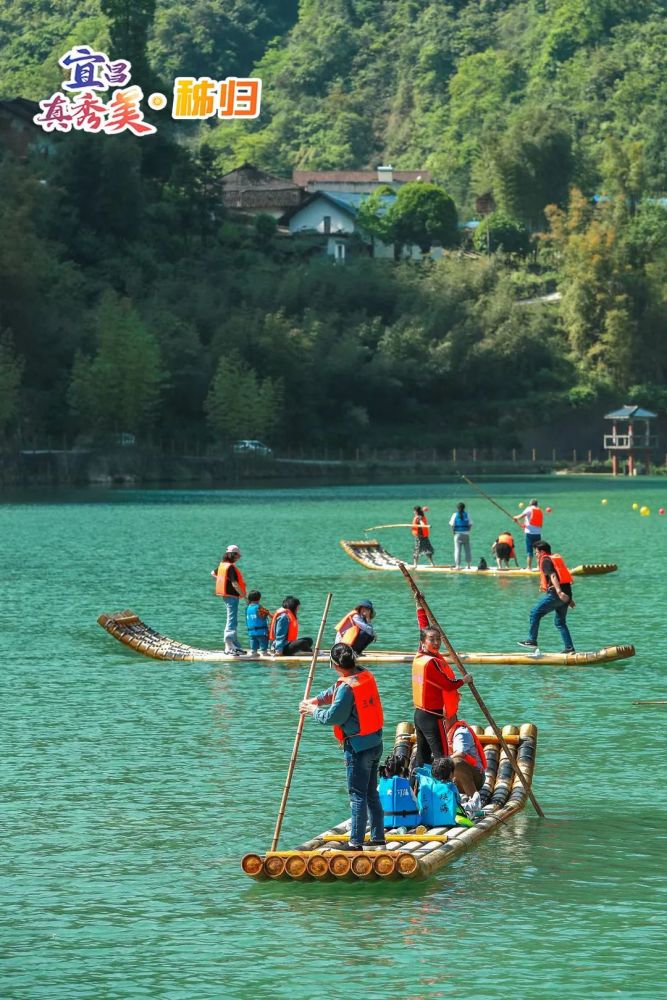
376 527
299 728
490 499
478 698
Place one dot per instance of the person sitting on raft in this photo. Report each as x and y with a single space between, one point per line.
440 732
356 629
503 550
284 631
353 707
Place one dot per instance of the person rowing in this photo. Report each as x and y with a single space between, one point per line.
440 732
421 530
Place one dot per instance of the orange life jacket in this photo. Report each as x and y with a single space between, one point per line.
420 527
367 703
222 588
564 574
427 694
292 628
536 518
348 630
506 539
473 761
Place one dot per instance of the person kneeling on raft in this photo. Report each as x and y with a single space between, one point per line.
284 631
356 629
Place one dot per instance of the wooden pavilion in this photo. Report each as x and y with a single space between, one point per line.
630 435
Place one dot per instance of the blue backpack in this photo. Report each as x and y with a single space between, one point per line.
398 801
439 801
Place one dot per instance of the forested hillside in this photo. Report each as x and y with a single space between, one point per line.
129 302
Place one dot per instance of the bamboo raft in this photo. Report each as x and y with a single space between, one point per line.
128 628
411 855
371 554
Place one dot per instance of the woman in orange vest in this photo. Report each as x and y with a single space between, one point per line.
435 693
421 530
556 583
284 630
503 550
230 585
355 628
533 519
353 707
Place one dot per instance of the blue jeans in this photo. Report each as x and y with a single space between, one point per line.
544 606
362 785
231 625
259 642
531 541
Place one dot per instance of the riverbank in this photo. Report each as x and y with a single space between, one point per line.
145 466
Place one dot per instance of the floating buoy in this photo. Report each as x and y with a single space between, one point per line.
661 510
604 502
645 511
548 510
521 504
635 506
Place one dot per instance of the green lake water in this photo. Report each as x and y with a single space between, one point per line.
132 787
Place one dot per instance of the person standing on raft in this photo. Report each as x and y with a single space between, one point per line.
556 582
421 530
356 629
460 522
440 732
533 519
503 550
230 585
353 707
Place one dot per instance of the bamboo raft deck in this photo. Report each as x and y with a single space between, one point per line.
128 628
412 855
372 555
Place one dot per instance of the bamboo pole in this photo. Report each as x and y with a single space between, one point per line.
299 728
478 698
377 527
490 499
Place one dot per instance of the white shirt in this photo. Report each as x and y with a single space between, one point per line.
530 529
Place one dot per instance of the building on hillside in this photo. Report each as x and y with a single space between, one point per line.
333 217
253 192
18 132
356 181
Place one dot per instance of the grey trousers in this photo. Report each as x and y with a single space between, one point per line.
462 541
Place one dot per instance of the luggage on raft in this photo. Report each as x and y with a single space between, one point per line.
417 854
128 628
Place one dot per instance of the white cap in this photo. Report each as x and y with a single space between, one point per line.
233 548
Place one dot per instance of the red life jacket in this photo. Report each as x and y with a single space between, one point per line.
367 703
427 693
473 761
292 628
420 527
564 574
536 517
348 630
506 539
222 588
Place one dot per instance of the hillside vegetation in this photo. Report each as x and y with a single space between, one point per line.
128 302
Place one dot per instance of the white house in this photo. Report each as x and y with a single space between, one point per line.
334 215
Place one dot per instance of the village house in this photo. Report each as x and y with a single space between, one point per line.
18 132
356 181
253 192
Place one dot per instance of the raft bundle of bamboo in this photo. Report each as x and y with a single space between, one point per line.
417 855
371 554
128 628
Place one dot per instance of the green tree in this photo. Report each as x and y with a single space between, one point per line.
120 388
129 24
11 371
241 405
498 231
